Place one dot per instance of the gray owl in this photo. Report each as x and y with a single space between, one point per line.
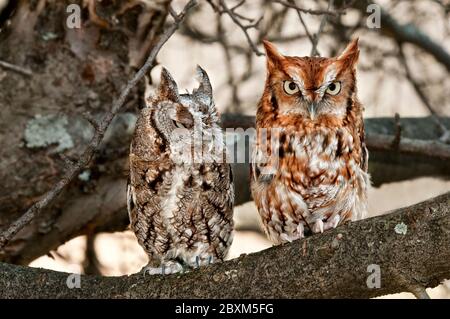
180 192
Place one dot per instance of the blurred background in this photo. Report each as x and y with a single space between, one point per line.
403 69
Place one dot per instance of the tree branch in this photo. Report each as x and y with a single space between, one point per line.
433 149
223 8
302 21
94 145
329 265
290 4
15 68
407 33
323 21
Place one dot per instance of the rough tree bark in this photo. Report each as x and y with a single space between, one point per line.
410 245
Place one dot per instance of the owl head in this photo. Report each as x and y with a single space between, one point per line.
312 88
186 121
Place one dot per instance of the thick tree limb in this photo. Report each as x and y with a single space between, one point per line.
432 149
410 246
103 210
74 169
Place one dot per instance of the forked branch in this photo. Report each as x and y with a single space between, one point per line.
406 250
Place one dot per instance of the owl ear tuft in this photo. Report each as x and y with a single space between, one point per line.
272 55
150 92
350 56
204 91
168 87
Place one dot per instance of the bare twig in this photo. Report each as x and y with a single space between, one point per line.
94 145
88 117
15 68
229 66
314 39
291 5
68 162
240 3
195 34
299 13
274 21
314 51
236 20
240 16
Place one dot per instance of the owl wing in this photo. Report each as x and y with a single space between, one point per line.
147 183
364 152
364 157
219 189
217 205
263 167
131 205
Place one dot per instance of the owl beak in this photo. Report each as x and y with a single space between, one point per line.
312 108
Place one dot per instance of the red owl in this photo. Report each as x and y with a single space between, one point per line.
309 168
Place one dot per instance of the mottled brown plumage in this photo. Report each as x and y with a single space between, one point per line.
180 193
310 162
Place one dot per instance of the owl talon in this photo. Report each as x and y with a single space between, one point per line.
318 226
201 261
166 268
300 231
151 271
333 223
172 268
285 238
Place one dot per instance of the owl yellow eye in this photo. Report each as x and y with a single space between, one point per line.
290 87
334 88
